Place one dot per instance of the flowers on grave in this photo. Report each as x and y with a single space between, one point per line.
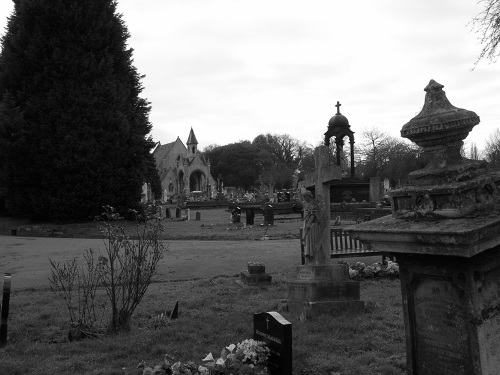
249 357
359 270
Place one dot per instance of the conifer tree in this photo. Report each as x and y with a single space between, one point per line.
74 131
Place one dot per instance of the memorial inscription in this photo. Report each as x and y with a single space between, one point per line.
276 332
440 327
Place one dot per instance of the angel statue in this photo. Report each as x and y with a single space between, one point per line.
315 223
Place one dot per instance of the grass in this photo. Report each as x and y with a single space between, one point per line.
213 312
213 225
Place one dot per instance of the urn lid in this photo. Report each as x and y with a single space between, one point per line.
439 123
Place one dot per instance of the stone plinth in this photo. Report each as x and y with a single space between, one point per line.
450 282
452 311
322 289
255 278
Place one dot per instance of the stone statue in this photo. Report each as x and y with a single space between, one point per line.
313 230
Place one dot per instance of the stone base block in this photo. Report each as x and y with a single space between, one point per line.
255 278
308 309
322 290
328 272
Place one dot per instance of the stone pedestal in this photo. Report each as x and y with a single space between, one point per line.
444 232
450 283
322 289
452 313
256 274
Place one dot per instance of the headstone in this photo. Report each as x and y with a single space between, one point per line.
5 309
375 190
167 213
255 274
445 232
321 287
268 215
198 215
175 312
236 215
187 214
250 216
178 211
276 332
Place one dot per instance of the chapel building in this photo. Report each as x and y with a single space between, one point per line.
183 170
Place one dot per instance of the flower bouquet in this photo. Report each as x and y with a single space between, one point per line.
249 357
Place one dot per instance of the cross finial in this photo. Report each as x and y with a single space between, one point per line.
338 107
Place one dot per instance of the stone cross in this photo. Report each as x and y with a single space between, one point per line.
338 107
320 179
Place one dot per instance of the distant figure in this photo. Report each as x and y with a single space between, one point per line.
314 226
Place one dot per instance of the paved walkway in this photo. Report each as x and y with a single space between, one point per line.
27 258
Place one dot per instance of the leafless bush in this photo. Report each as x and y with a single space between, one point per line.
128 266
78 285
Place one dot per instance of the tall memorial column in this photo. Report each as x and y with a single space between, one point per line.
445 234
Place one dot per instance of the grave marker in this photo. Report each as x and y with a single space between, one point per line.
5 309
444 230
175 312
276 332
321 287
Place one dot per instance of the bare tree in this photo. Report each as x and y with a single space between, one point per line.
492 150
488 24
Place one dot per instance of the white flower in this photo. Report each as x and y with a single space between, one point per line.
220 361
231 347
209 357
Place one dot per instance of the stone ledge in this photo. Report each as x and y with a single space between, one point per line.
312 309
255 278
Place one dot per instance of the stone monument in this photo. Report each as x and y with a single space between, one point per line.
445 233
321 287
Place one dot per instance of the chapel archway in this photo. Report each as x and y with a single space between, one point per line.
196 181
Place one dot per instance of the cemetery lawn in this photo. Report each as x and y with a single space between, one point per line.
213 313
214 224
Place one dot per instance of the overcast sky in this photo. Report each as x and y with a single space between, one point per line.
234 69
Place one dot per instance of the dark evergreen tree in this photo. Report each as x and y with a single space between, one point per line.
239 164
73 128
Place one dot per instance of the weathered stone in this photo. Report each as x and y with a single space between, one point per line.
445 231
255 278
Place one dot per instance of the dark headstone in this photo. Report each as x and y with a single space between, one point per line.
250 212
175 312
268 215
167 213
276 332
13 232
5 309
198 215
178 212
236 215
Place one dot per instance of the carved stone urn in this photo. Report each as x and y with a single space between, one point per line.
445 234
